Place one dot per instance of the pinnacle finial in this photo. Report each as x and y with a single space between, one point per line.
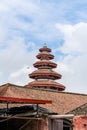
45 45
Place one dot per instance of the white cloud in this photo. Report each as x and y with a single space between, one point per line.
74 36
13 57
74 68
21 75
20 72
34 18
23 20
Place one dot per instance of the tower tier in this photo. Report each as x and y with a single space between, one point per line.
45 74
45 64
47 84
45 49
45 55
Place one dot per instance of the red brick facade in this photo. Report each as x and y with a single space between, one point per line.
80 123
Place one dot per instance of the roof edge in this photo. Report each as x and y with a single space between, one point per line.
41 89
24 86
10 84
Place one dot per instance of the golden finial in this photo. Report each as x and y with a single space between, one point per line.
45 45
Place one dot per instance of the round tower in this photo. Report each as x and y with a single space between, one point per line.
44 77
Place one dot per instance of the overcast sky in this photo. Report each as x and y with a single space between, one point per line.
25 25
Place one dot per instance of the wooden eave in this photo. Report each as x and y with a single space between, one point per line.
44 63
47 75
45 49
40 55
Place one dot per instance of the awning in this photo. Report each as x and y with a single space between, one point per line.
23 100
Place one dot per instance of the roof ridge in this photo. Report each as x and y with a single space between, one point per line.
10 84
64 92
4 89
76 108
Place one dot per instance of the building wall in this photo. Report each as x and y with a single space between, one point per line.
80 123
37 125
55 124
23 124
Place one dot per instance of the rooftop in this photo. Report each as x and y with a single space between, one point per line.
62 102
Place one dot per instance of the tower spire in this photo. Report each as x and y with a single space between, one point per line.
45 45
44 76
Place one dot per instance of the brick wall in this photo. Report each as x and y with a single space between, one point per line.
80 123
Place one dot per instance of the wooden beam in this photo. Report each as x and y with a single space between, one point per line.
61 116
23 100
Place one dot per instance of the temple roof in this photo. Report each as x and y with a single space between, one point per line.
45 63
62 102
49 84
45 73
45 55
44 48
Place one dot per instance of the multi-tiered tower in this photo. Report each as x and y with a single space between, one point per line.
44 76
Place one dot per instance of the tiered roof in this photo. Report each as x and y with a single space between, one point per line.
44 76
45 63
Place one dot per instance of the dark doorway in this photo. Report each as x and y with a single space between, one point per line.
66 128
59 124
67 124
